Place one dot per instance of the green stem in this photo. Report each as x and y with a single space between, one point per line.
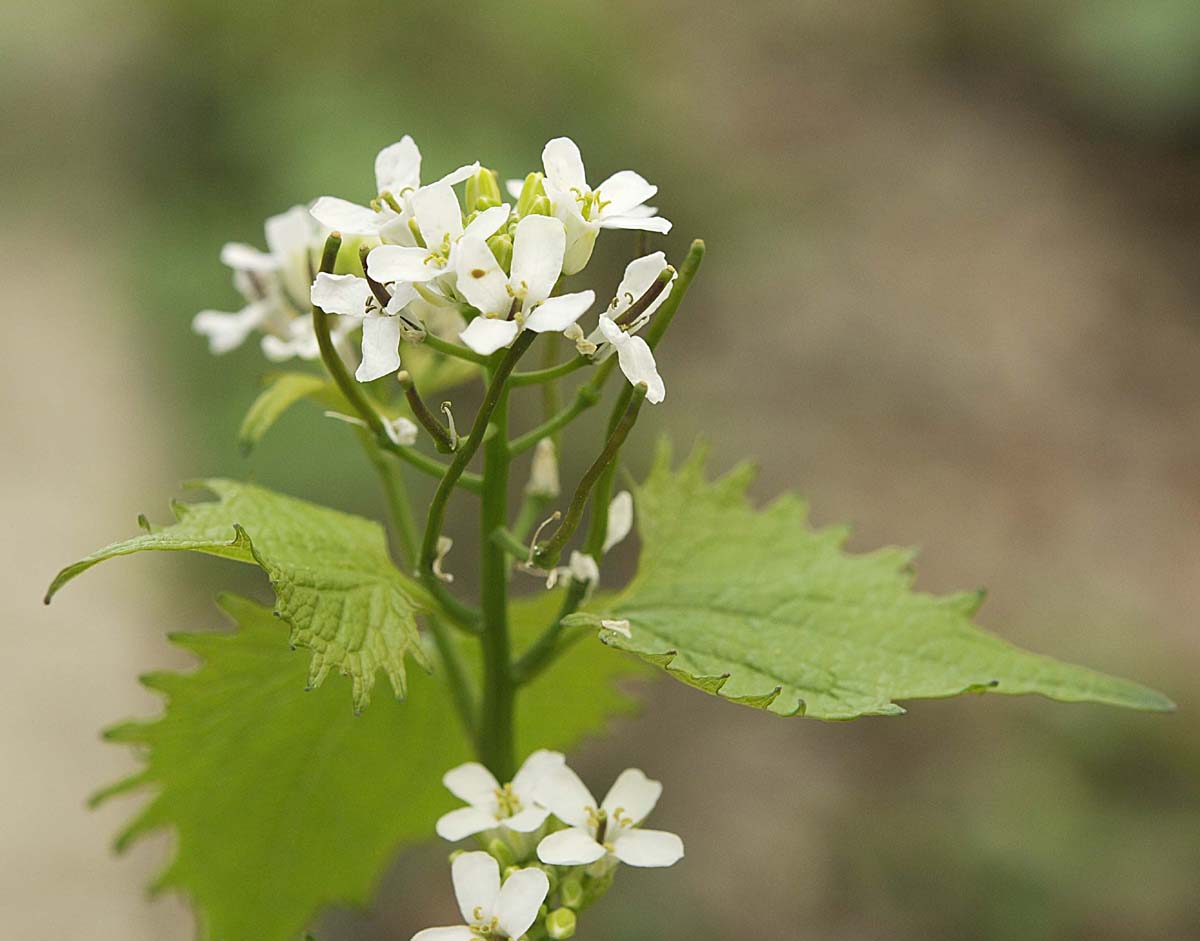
457 676
435 342
534 376
598 523
356 396
441 437
546 554
585 398
466 450
394 489
507 540
496 746
546 648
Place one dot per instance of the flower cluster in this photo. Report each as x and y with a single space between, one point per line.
473 269
560 846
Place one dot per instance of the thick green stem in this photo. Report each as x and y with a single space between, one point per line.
497 748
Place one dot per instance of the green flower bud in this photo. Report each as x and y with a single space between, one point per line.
540 207
502 247
501 852
529 192
571 892
560 923
483 191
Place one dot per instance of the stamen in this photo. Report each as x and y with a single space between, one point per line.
446 410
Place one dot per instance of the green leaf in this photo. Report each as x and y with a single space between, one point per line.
334 581
755 606
280 392
284 802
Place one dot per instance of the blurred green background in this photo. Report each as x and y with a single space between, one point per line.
952 295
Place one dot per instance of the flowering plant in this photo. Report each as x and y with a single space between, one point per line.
436 287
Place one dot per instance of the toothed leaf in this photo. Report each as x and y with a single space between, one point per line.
284 802
757 607
334 582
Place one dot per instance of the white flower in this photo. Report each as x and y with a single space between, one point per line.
617 203
635 359
538 246
351 296
581 568
439 219
491 910
620 519
400 430
490 804
274 285
397 176
640 275
597 830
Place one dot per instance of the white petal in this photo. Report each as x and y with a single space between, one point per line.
227 331
464 172
620 519
481 280
520 898
540 763
346 217
488 222
464 822
402 295
640 274
344 294
538 248
454 933
396 230
485 335
558 313
641 223
633 796
514 187
398 167
527 820
574 847
581 234
623 191
380 348
291 233
242 257
476 883
649 848
583 568
563 164
565 796
635 359
471 782
401 263
402 431
438 214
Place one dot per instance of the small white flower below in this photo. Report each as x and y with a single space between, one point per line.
597 830
492 805
491 910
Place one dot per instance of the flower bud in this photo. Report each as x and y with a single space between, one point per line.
571 892
543 473
530 191
560 923
540 207
501 852
483 191
502 247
